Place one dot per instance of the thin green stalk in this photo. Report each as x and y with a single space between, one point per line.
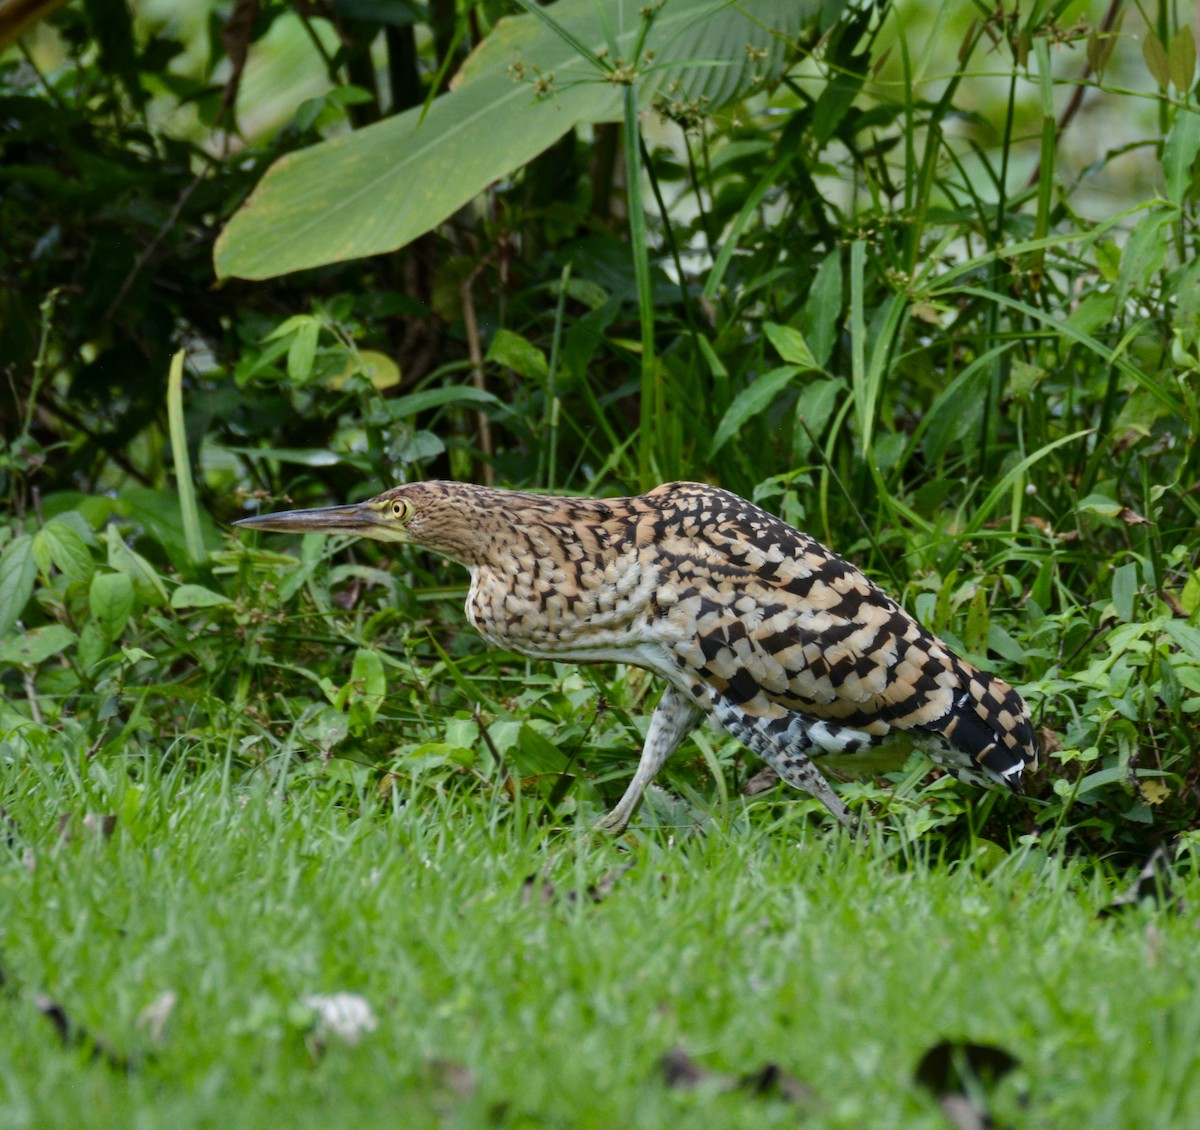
929 162
1065 329
987 427
39 362
867 377
602 66
651 416
749 206
555 406
697 192
1049 139
984 510
183 463
863 407
672 243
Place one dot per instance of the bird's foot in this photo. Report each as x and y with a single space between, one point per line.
612 824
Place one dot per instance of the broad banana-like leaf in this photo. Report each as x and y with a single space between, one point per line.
19 16
378 188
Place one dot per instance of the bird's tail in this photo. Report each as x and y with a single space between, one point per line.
989 723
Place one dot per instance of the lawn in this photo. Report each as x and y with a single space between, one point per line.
523 975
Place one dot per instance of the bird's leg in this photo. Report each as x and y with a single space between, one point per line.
785 754
797 769
783 749
675 716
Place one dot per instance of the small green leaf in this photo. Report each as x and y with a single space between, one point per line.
975 633
288 326
1124 589
749 402
416 446
307 113
1179 154
66 549
31 648
534 754
1024 378
814 408
350 95
111 600
823 309
1042 589
1155 55
1108 259
92 646
146 582
18 571
790 345
1181 59
325 728
302 352
461 732
1099 504
999 641
715 366
1099 50
1186 636
405 406
519 354
196 596
1101 777
1188 677
368 680
1096 310
1190 597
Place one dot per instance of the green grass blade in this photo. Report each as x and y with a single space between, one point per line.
651 418
183 464
1013 475
768 181
1155 388
858 338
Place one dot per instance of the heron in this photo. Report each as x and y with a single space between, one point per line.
751 623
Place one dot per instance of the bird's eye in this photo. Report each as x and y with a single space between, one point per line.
398 509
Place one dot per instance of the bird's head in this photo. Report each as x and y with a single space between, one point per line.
448 518
381 518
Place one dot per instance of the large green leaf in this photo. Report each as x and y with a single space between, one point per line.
18 570
378 188
111 600
750 402
30 649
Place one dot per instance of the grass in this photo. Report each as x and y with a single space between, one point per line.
763 940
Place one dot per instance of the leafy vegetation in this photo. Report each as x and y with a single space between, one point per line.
922 281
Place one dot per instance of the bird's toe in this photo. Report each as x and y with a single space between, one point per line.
612 824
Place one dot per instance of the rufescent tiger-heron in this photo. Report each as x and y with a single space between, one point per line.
787 646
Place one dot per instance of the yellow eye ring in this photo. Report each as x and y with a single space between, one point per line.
397 509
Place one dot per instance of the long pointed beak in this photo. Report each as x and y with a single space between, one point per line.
355 520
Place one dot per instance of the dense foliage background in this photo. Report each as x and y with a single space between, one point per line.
927 289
